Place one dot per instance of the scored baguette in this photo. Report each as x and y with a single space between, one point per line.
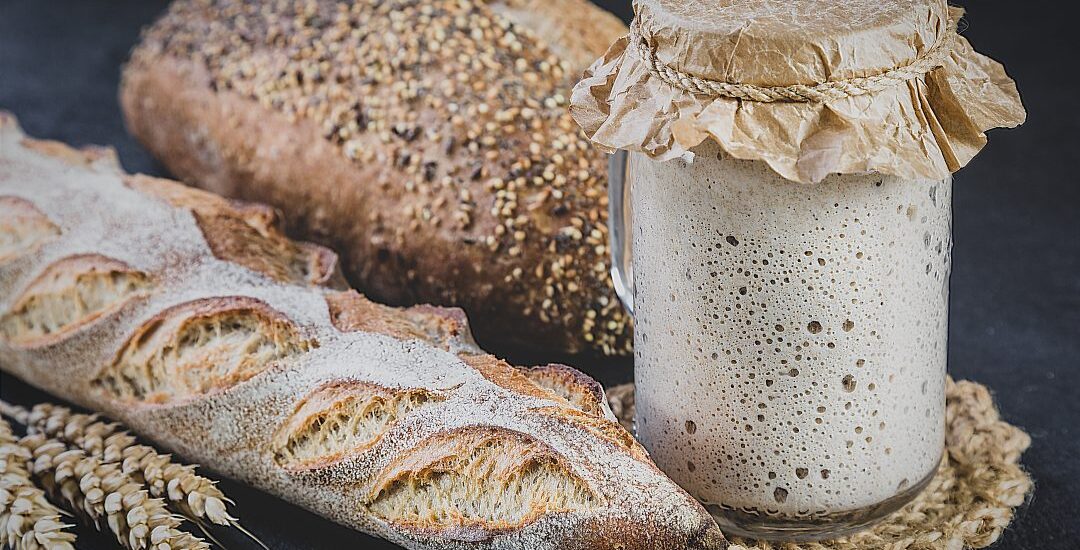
429 143
194 321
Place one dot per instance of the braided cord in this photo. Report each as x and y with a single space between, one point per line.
797 93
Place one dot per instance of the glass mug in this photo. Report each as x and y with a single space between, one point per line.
790 339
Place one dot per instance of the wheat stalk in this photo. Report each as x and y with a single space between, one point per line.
27 520
103 493
193 495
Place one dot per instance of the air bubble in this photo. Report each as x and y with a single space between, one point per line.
849 383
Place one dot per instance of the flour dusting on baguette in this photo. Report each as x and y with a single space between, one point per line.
378 418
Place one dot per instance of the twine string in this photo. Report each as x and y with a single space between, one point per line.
799 93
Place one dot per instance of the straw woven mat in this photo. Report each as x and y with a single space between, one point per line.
967 505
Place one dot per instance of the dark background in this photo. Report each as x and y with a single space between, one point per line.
1016 265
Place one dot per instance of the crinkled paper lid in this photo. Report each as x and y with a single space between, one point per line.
811 87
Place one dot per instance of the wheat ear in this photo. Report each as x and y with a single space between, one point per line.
193 495
102 492
27 520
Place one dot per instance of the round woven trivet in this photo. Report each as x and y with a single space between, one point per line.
967 505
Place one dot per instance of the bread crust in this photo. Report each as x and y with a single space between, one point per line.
576 387
576 30
51 283
246 373
483 195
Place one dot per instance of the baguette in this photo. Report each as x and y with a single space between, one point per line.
195 322
427 142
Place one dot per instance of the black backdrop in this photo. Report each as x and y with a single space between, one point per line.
1016 278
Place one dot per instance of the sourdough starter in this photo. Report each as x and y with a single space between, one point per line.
790 339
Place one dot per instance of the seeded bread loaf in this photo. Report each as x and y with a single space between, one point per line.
427 142
194 321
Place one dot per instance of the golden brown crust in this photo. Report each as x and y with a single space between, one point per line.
199 347
440 174
68 295
84 156
502 374
576 30
22 227
248 234
445 328
610 431
518 480
574 386
342 418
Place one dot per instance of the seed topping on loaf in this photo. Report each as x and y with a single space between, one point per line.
199 347
480 482
70 293
399 76
22 227
343 417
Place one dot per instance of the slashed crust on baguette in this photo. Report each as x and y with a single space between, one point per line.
70 293
389 421
477 482
341 418
574 386
199 347
22 227
248 234
445 328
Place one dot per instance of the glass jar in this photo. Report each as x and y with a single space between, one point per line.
780 215
790 340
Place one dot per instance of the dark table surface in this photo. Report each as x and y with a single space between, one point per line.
1016 273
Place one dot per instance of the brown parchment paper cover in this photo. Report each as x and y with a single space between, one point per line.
923 127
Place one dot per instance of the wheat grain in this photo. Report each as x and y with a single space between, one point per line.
193 495
103 493
87 431
27 520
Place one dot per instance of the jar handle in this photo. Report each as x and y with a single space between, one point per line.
620 223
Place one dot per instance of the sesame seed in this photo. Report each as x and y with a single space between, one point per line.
396 82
